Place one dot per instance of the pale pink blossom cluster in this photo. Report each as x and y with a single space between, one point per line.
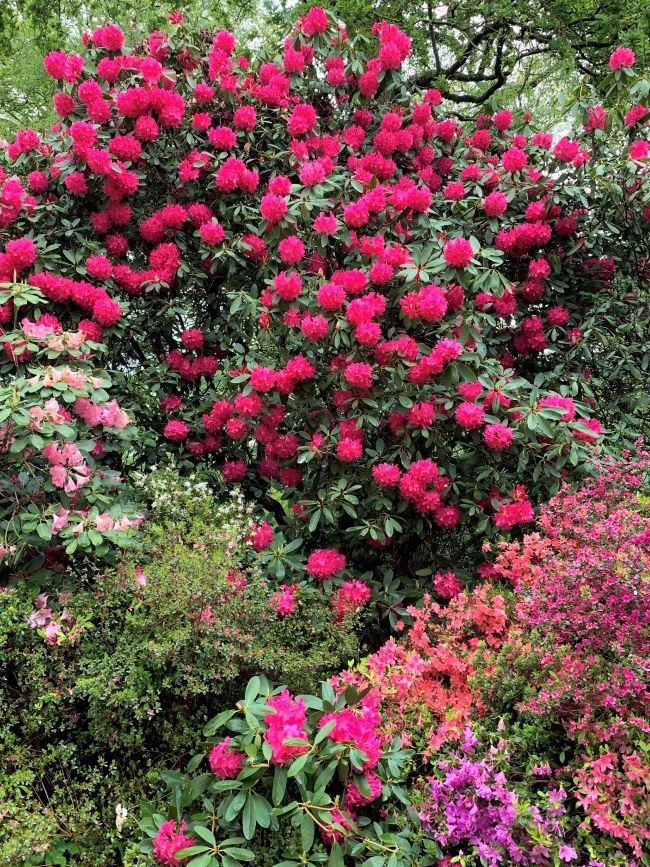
50 413
42 617
76 379
108 414
49 333
103 523
68 468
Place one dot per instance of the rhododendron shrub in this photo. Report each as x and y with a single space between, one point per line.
307 274
316 763
57 421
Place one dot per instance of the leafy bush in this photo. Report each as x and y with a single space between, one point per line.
311 761
58 493
368 314
113 672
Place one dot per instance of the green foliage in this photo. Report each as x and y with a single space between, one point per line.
136 670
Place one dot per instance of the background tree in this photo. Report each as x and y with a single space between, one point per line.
497 50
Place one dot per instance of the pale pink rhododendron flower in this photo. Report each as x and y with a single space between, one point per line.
51 412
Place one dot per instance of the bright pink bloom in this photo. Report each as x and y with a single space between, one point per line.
176 430
469 415
458 253
621 58
169 840
225 763
324 563
498 436
287 721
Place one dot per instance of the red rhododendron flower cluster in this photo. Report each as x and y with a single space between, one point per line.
313 277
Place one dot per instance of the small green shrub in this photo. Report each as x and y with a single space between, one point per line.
107 676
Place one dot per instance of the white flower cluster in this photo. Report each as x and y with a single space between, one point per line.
168 493
121 814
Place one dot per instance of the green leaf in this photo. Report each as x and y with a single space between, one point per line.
279 785
197 787
323 733
239 854
336 856
44 532
297 765
262 814
194 762
248 818
204 834
224 786
214 724
192 850
307 828
235 806
252 690
362 785
325 776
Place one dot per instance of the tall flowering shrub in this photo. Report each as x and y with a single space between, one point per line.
365 312
57 494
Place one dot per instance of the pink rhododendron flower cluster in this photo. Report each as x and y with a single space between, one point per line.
287 721
170 839
374 311
225 762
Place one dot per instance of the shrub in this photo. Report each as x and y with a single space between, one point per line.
316 762
365 312
58 492
109 674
